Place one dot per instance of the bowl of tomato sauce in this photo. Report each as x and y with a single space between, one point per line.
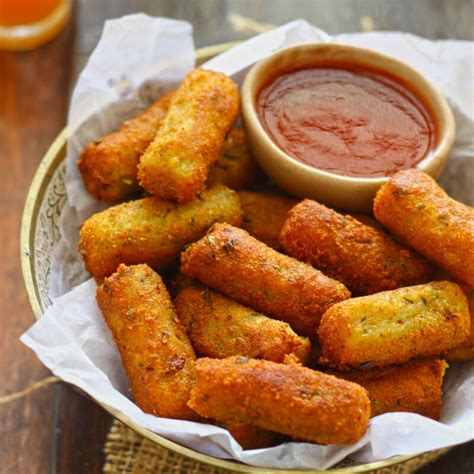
334 122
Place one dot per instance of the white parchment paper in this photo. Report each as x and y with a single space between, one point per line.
137 59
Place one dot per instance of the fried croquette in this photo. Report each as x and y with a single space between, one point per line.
414 387
156 353
368 220
249 436
462 353
232 262
110 168
395 326
296 401
264 215
465 351
416 209
109 164
220 327
235 166
176 164
152 231
364 259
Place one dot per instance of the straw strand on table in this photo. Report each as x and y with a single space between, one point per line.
32 388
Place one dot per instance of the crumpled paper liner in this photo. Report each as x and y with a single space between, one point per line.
127 452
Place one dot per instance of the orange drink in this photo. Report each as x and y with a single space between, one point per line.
26 24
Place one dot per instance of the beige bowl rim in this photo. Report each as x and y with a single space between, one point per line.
439 104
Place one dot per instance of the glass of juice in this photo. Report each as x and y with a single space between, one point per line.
26 24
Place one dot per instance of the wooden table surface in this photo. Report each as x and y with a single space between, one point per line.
56 430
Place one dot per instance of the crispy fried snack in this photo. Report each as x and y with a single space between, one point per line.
229 260
465 351
292 400
235 166
152 231
365 260
109 165
395 326
220 327
156 353
412 387
368 220
249 436
176 164
414 207
264 215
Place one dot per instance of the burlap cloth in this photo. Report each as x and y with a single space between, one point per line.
127 452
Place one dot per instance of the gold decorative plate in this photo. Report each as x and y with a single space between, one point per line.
39 235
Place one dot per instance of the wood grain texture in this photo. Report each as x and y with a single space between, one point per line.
437 19
56 430
26 425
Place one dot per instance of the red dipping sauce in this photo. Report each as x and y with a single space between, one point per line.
348 121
